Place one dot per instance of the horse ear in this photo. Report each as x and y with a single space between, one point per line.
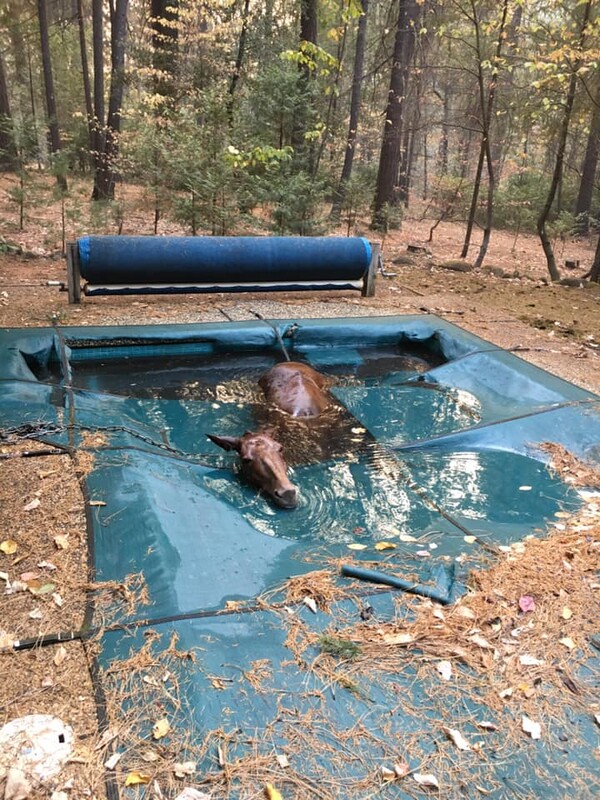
226 442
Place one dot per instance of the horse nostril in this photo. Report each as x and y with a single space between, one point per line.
287 497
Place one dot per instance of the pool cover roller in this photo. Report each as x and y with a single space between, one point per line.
174 264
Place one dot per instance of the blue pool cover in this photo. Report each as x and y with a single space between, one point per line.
434 441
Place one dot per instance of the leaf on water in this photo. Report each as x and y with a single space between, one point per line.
566 613
385 546
33 504
161 728
568 642
469 539
457 738
401 769
60 656
149 755
534 729
562 514
406 537
61 541
429 781
525 488
526 603
271 793
218 683
388 774
184 769
528 660
135 777
282 760
9 547
398 638
97 503
356 546
310 603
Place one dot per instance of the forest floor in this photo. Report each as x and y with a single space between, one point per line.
556 327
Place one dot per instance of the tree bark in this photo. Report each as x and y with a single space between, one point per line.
53 130
588 170
486 105
85 73
8 150
355 103
308 35
389 159
595 270
107 177
239 61
99 115
560 154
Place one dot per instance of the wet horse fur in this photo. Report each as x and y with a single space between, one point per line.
262 464
295 388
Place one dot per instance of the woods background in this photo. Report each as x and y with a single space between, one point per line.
296 116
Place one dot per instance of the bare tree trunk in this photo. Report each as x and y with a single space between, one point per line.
53 130
560 154
85 73
99 116
107 177
486 105
237 70
355 103
8 151
595 270
308 35
389 159
588 170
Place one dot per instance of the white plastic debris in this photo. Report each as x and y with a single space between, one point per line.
33 749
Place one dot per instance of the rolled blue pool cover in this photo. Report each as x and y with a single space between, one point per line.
224 259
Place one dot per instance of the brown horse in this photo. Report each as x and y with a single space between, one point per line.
262 464
296 388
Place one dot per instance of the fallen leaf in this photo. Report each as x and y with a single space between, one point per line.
218 683
97 503
401 769
161 728
406 537
310 603
9 547
388 774
189 793
528 660
184 769
58 794
465 612
385 546
445 669
57 599
480 642
597 719
62 541
271 793
457 738
562 514
566 613
470 539
357 546
487 726
112 762
39 586
33 504
568 642
429 781
60 656
534 729
47 565
35 614
44 473
282 760
526 603
504 693
398 638
136 777
525 488
149 756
